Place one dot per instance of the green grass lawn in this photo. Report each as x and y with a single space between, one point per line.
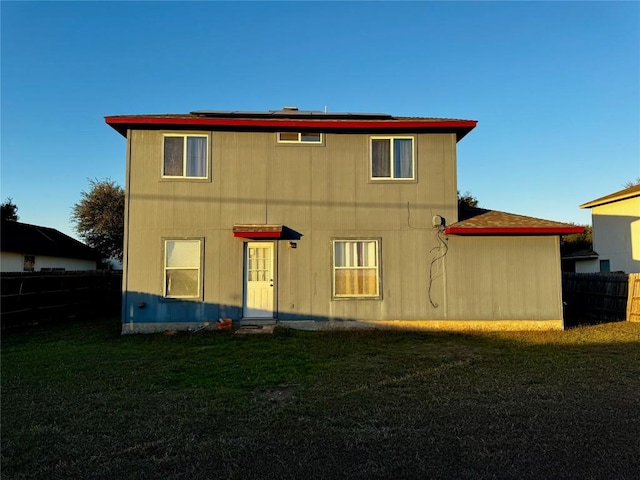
81 401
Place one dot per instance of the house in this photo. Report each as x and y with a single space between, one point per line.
320 220
32 248
616 233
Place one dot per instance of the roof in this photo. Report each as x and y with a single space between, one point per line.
623 194
291 119
480 221
257 231
581 255
35 240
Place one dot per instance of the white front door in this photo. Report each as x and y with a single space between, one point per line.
258 274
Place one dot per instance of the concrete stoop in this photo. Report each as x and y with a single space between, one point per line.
249 329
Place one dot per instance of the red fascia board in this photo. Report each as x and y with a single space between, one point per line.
290 123
513 230
254 234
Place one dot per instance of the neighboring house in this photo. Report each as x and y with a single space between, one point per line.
319 220
31 248
616 233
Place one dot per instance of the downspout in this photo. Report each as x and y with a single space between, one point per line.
125 252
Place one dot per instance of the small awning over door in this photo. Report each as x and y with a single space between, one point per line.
252 231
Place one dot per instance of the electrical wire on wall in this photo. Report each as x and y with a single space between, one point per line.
442 250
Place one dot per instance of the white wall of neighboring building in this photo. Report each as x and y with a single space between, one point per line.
616 234
14 262
11 262
587 266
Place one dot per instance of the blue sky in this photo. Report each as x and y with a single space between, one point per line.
555 86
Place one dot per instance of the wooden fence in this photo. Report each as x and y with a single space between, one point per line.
35 297
633 302
594 297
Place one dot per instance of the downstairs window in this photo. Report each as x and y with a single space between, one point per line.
182 268
356 272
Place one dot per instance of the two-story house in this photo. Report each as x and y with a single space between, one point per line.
322 220
616 233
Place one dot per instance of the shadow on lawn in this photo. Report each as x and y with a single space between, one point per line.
81 401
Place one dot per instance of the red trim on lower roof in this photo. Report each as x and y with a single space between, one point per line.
512 230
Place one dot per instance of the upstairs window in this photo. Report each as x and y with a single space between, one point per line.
299 137
392 158
185 156
356 272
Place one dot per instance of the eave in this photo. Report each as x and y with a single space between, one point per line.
257 231
513 230
122 123
630 192
480 221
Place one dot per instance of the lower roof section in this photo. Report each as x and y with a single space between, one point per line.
480 221
251 231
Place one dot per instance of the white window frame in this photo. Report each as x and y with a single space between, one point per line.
300 139
392 139
198 294
334 268
185 136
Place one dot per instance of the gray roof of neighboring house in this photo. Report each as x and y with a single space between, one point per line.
36 240
581 255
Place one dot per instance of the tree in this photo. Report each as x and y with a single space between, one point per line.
99 217
632 183
576 242
9 210
467 200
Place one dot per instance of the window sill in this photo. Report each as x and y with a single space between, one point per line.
340 299
392 180
181 300
186 179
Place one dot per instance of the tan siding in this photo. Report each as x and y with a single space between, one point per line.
320 272
242 159
377 203
294 286
226 255
321 192
289 183
503 278
333 180
438 174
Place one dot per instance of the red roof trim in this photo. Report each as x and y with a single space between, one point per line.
257 231
512 230
407 124
254 234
